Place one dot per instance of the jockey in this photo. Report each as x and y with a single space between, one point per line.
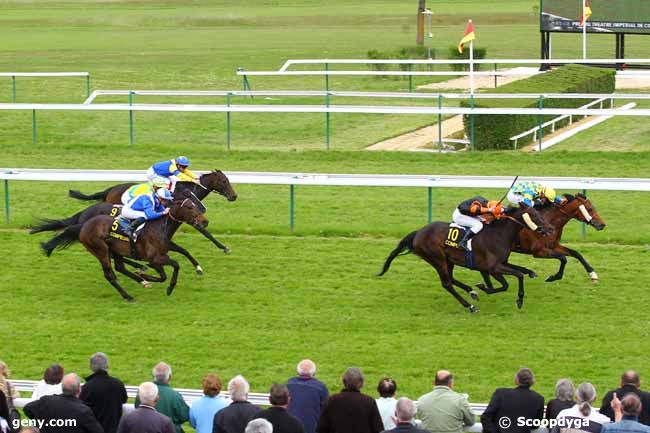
145 188
531 193
146 207
472 213
174 169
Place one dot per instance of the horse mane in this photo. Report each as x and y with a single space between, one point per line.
570 197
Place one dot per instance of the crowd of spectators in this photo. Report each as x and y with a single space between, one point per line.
303 405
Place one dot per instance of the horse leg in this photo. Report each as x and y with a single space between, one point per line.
488 287
460 284
165 260
99 249
560 272
504 268
173 246
575 254
119 267
208 235
523 270
447 283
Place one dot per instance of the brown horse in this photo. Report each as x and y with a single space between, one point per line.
215 181
152 245
491 249
577 207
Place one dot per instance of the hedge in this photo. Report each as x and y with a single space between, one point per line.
494 131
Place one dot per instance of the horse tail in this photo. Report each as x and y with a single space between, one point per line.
48 225
62 240
96 196
405 244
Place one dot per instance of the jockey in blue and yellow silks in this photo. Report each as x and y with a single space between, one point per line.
530 192
145 188
146 207
174 169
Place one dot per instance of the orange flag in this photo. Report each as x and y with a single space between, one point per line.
467 37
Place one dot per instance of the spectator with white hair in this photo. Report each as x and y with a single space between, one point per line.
404 412
308 395
350 411
563 399
583 410
67 406
103 393
170 402
259 425
145 419
234 418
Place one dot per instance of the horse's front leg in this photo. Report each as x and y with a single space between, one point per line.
161 261
575 254
173 246
208 235
505 268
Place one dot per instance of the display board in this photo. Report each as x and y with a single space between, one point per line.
608 16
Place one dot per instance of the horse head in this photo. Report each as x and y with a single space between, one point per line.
528 217
218 182
581 208
185 210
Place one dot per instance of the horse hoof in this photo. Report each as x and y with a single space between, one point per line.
227 250
170 289
146 284
130 300
520 303
474 295
594 276
199 270
473 309
552 278
532 274
141 271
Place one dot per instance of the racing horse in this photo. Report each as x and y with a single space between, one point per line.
152 245
214 181
491 249
577 207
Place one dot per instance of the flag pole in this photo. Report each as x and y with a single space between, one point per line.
584 31
471 67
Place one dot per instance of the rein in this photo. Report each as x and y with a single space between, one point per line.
514 220
570 216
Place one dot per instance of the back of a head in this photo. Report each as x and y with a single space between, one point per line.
238 388
70 384
53 375
30 430
353 379
525 377
306 367
386 387
211 385
631 405
564 390
631 377
147 392
259 425
585 395
444 378
162 372
99 361
279 395
405 409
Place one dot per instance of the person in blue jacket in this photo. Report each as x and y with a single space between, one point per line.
146 207
173 169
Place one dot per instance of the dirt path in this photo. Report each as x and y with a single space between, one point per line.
421 137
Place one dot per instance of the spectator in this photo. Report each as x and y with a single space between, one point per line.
234 418
626 411
259 426
5 386
170 402
145 419
277 414
30 430
404 412
66 406
444 410
585 395
51 382
203 410
512 403
563 398
350 411
104 394
386 401
308 395
4 413
630 383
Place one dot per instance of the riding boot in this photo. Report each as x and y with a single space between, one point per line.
133 225
466 237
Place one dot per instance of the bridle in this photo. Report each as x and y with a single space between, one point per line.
583 210
172 217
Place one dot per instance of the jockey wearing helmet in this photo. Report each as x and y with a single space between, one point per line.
530 193
145 188
173 169
147 207
472 213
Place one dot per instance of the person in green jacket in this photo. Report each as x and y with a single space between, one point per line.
170 402
443 410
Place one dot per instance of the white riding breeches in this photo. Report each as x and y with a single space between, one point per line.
515 198
151 174
473 223
131 214
125 197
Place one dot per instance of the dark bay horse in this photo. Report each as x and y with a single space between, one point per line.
215 181
152 244
491 248
577 207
